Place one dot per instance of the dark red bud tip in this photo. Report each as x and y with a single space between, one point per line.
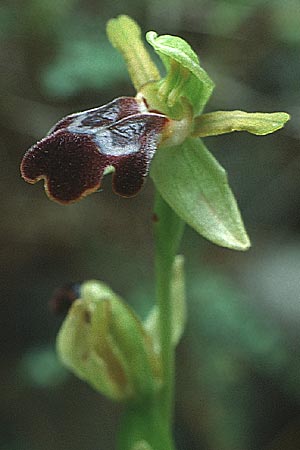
63 298
155 218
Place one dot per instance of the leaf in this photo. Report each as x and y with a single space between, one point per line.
178 303
185 78
178 299
195 185
220 122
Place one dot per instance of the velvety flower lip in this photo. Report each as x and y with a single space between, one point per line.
72 158
105 115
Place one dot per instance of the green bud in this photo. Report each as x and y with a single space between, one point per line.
104 343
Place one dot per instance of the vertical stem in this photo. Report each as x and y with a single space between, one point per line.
168 230
142 423
150 420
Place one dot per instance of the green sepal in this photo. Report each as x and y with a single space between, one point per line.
221 122
178 303
125 35
184 79
104 343
77 347
195 185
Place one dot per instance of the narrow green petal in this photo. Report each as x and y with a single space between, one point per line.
185 78
195 185
125 35
221 122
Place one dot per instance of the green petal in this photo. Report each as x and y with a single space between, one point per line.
194 184
185 78
220 122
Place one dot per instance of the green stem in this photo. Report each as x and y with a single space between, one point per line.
150 420
168 230
143 428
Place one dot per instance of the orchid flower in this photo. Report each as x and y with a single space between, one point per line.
164 120
157 132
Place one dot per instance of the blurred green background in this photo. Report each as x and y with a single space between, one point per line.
238 366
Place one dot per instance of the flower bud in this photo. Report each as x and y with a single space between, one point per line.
104 343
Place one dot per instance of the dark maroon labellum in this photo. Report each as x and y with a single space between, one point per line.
73 156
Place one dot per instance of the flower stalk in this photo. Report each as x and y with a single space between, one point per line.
151 419
168 230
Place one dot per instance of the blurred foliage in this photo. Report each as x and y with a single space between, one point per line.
238 366
80 66
237 349
40 367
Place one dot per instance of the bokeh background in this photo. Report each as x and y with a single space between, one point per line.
238 366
